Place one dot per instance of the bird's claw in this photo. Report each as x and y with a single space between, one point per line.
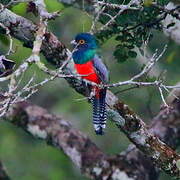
92 94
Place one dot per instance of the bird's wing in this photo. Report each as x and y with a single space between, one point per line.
101 69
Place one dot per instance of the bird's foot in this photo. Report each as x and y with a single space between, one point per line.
92 93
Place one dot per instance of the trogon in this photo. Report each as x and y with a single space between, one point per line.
90 66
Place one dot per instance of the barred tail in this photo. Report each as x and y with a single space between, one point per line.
99 111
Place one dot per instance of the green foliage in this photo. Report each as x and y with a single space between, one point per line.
170 57
170 25
20 8
25 157
148 3
151 79
4 1
55 6
131 28
4 39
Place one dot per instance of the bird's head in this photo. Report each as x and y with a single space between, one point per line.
85 46
84 41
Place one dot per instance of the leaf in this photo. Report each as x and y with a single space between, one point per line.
20 9
132 27
151 79
120 55
163 2
148 3
130 46
171 56
170 25
132 54
178 164
4 39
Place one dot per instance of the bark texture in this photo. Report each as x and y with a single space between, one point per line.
86 155
76 145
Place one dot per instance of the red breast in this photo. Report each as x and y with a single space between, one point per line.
88 70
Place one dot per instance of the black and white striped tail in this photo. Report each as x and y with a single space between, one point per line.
99 112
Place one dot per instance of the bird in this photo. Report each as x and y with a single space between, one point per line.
90 66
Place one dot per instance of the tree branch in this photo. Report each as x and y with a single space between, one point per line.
41 8
174 31
3 174
59 133
79 148
125 119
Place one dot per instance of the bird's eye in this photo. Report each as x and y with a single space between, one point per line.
81 41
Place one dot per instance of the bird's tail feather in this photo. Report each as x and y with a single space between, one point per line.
99 111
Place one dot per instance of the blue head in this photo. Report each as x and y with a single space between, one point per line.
85 48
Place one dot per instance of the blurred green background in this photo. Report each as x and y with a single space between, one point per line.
27 158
